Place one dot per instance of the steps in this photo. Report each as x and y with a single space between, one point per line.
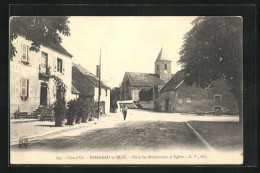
138 105
42 112
25 115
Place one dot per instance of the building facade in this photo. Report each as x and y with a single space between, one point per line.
177 96
30 71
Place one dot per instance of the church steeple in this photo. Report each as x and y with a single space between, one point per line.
162 56
163 66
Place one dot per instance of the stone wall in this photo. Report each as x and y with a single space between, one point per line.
190 99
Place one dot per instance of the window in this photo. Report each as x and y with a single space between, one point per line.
24 88
44 62
165 66
25 49
106 92
217 99
157 67
59 65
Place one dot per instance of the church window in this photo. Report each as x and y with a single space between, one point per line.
157 67
165 66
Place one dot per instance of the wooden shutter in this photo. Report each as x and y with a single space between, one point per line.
27 88
63 66
54 64
27 52
24 87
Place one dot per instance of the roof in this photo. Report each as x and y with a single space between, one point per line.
50 44
74 90
162 56
58 48
84 81
176 80
83 70
144 79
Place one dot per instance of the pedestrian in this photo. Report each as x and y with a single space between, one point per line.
125 112
101 110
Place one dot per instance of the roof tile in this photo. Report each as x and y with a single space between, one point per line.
144 79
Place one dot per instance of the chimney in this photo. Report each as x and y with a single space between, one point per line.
97 71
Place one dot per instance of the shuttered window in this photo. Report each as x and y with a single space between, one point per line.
25 49
24 87
59 65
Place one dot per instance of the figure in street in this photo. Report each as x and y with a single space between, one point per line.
125 112
100 110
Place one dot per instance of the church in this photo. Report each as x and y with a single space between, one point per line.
169 93
134 82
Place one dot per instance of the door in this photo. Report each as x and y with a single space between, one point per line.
43 96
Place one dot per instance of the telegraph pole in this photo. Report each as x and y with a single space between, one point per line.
99 76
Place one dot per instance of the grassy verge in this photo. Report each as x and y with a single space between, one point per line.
221 135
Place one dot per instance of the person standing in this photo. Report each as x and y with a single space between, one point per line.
125 112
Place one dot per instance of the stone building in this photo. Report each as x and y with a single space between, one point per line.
177 96
30 71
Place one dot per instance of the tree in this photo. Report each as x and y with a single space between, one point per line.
38 29
146 94
212 49
114 97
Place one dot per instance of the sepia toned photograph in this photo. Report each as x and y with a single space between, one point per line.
126 90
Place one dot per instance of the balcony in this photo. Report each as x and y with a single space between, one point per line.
44 71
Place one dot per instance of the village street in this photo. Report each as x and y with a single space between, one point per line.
142 129
158 134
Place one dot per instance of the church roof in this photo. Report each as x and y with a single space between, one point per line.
144 79
176 80
162 56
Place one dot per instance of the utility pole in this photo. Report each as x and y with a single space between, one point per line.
99 76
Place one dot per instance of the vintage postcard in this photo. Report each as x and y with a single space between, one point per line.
131 90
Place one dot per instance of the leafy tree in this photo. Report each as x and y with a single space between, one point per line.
39 29
114 97
212 49
146 94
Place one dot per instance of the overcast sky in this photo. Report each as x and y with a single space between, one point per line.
127 43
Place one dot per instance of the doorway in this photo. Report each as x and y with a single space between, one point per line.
43 94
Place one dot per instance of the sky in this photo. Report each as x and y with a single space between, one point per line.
126 44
